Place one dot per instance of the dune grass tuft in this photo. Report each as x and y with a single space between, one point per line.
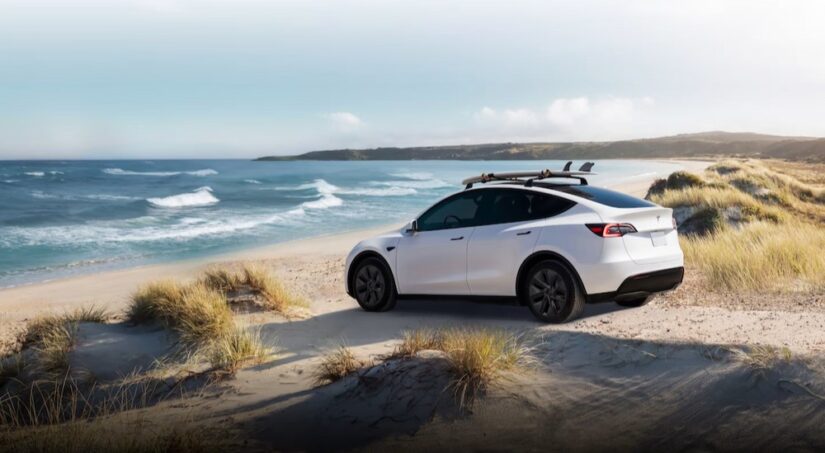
237 348
201 316
757 229
257 279
51 338
336 365
146 301
222 280
196 312
478 356
414 341
761 358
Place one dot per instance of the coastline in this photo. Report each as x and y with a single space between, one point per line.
111 289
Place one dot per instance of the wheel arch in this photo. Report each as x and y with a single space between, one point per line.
545 255
361 257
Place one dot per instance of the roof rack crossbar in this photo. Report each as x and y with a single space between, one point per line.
533 176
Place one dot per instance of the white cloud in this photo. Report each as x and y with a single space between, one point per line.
569 118
567 111
344 121
519 118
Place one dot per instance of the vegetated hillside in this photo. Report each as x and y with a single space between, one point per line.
751 226
704 144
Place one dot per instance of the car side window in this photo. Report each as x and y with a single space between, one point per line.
515 205
457 211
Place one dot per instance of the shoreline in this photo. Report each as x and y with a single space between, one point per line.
112 288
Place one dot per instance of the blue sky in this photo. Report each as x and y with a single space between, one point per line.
221 78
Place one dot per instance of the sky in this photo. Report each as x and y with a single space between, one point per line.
244 78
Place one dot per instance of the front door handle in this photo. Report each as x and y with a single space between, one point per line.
523 233
457 239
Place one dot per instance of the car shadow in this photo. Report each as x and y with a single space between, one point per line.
305 338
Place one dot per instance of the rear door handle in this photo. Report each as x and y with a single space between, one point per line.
457 239
523 233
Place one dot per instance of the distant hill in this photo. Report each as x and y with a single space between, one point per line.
703 144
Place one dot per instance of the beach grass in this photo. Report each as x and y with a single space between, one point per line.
237 348
201 316
476 356
760 226
336 365
257 279
761 358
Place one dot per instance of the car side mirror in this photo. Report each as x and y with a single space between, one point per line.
412 227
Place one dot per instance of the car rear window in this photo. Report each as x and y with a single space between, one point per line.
606 197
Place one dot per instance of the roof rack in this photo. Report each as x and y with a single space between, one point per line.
584 170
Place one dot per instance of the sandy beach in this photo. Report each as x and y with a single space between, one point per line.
314 266
634 373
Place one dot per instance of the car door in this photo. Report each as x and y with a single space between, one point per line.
507 231
433 259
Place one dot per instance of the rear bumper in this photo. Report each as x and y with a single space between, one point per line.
642 285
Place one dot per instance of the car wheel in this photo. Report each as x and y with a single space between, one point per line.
373 286
551 293
635 302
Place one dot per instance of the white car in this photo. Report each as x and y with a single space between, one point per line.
554 246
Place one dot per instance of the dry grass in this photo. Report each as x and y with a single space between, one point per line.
50 339
761 358
259 280
414 341
11 368
776 243
145 302
237 348
201 316
61 416
336 365
476 356
128 436
784 258
196 312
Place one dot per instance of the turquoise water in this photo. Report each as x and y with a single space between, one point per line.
62 218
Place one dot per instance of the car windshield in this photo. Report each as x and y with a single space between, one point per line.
603 196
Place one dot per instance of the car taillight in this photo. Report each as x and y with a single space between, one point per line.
611 230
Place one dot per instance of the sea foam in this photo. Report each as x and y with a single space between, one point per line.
200 197
122 172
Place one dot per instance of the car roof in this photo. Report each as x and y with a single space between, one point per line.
580 193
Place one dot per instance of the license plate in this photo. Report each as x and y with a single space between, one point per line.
659 239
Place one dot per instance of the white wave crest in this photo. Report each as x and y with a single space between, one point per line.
251 181
122 172
143 229
200 197
106 197
326 190
36 174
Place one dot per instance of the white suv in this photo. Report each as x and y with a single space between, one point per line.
553 246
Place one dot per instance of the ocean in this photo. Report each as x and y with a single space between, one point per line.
64 218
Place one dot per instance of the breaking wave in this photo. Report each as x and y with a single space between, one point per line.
200 197
122 172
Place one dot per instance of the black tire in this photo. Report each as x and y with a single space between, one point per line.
373 286
633 303
552 293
